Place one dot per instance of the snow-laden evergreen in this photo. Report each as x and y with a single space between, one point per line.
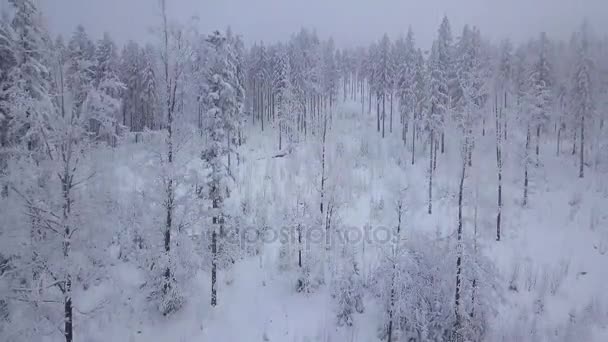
197 187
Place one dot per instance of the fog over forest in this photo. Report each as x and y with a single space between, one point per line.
307 171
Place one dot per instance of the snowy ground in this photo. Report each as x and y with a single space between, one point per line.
553 252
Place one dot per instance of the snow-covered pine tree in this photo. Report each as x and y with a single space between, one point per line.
421 95
383 77
540 85
438 98
223 108
104 101
444 75
582 89
80 72
282 89
406 80
331 73
149 92
130 70
175 52
8 60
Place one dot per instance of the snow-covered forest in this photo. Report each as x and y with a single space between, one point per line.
195 187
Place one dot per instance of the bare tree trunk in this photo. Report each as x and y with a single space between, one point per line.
383 112
369 111
574 140
499 165
581 172
505 118
378 111
474 285
432 147
459 246
323 162
66 184
390 124
526 162
170 106
413 142
362 98
436 147
261 101
559 138
299 245
537 145
214 265
470 148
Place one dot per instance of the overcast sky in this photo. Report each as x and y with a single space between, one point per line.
349 21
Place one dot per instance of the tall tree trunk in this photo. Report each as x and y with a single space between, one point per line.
559 139
581 172
471 140
499 165
390 124
383 112
459 247
378 111
362 99
526 162
323 162
170 106
505 119
474 285
431 173
261 102
575 133
214 266
369 110
436 148
66 184
299 245
413 142
537 145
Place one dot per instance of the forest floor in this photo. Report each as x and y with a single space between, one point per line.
551 260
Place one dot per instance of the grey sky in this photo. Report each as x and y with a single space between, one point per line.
348 21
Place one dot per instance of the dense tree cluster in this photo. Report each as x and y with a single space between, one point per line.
62 106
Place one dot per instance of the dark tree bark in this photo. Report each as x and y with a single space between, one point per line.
413 142
559 138
459 247
378 111
499 165
575 133
537 145
581 172
369 111
66 185
323 163
505 118
214 266
526 162
431 173
383 112
390 124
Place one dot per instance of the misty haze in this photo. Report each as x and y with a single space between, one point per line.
303 171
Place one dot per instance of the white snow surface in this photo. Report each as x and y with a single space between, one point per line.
552 240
